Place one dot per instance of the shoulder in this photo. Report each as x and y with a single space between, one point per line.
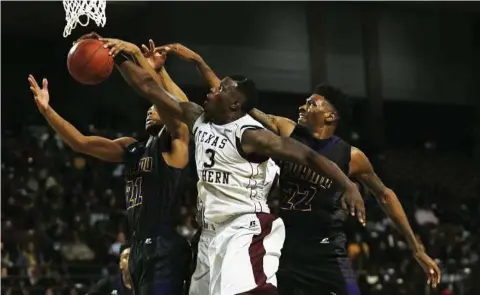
359 162
192 113
357 154
246 123
200 120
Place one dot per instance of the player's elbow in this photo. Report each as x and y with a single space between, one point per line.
309 156
145 84
80 146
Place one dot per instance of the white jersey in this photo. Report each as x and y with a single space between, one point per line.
229 184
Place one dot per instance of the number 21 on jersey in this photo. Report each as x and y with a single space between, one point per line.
133 193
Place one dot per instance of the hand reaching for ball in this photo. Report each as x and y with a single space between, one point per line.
155 59
117 46
40 95
179 50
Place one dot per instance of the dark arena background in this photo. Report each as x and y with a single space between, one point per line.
411 71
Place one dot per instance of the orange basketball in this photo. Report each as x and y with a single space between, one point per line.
89 62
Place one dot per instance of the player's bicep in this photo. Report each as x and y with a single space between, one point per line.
191 112
362 170
267 143
284 125
278 125
171 86
178 156
106 149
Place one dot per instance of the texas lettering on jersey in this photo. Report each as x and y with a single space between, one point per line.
209 174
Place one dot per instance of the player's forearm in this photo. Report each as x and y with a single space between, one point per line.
147 87
393 208
172 124
66 131
304 155
265 119
171 86
161 77
207 73
322 165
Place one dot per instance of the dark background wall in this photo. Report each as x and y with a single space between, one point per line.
423 55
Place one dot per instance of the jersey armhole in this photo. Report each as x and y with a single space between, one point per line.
253 158
130 150
197 122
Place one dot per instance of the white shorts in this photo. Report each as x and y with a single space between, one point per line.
239 256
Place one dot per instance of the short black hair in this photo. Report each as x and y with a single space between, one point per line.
123 247
336 98
248 88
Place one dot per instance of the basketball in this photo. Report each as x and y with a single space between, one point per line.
89 62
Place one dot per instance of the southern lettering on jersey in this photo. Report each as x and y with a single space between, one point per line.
209 174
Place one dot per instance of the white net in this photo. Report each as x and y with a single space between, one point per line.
91 9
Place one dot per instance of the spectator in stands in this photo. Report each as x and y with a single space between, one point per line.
77 250
115 247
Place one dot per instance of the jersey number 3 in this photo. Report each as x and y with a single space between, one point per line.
133 193
211 158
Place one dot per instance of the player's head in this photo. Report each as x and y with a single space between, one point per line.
153 122
124 256
236 94
325 107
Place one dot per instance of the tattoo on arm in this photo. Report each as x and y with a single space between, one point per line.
266 120
268 144
362 170
192 112
279 125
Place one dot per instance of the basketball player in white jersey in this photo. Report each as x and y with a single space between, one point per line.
232 152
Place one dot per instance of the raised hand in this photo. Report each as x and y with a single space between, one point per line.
430 268
352 201
156 59
117 46
179 50
41 95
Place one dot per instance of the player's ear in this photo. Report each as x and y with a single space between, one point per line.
236 105
330 118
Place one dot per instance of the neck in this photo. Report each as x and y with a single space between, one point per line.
230 117
323 132
126 280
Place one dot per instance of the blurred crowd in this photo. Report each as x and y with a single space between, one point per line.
63 219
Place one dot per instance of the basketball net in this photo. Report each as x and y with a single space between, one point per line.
91 9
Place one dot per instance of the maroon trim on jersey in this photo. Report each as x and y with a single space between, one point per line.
257 252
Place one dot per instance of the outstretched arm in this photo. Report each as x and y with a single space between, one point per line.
279 125
266 143
362 170
176 128
146 85
98 147
157 61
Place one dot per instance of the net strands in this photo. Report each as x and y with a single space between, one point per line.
91 9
